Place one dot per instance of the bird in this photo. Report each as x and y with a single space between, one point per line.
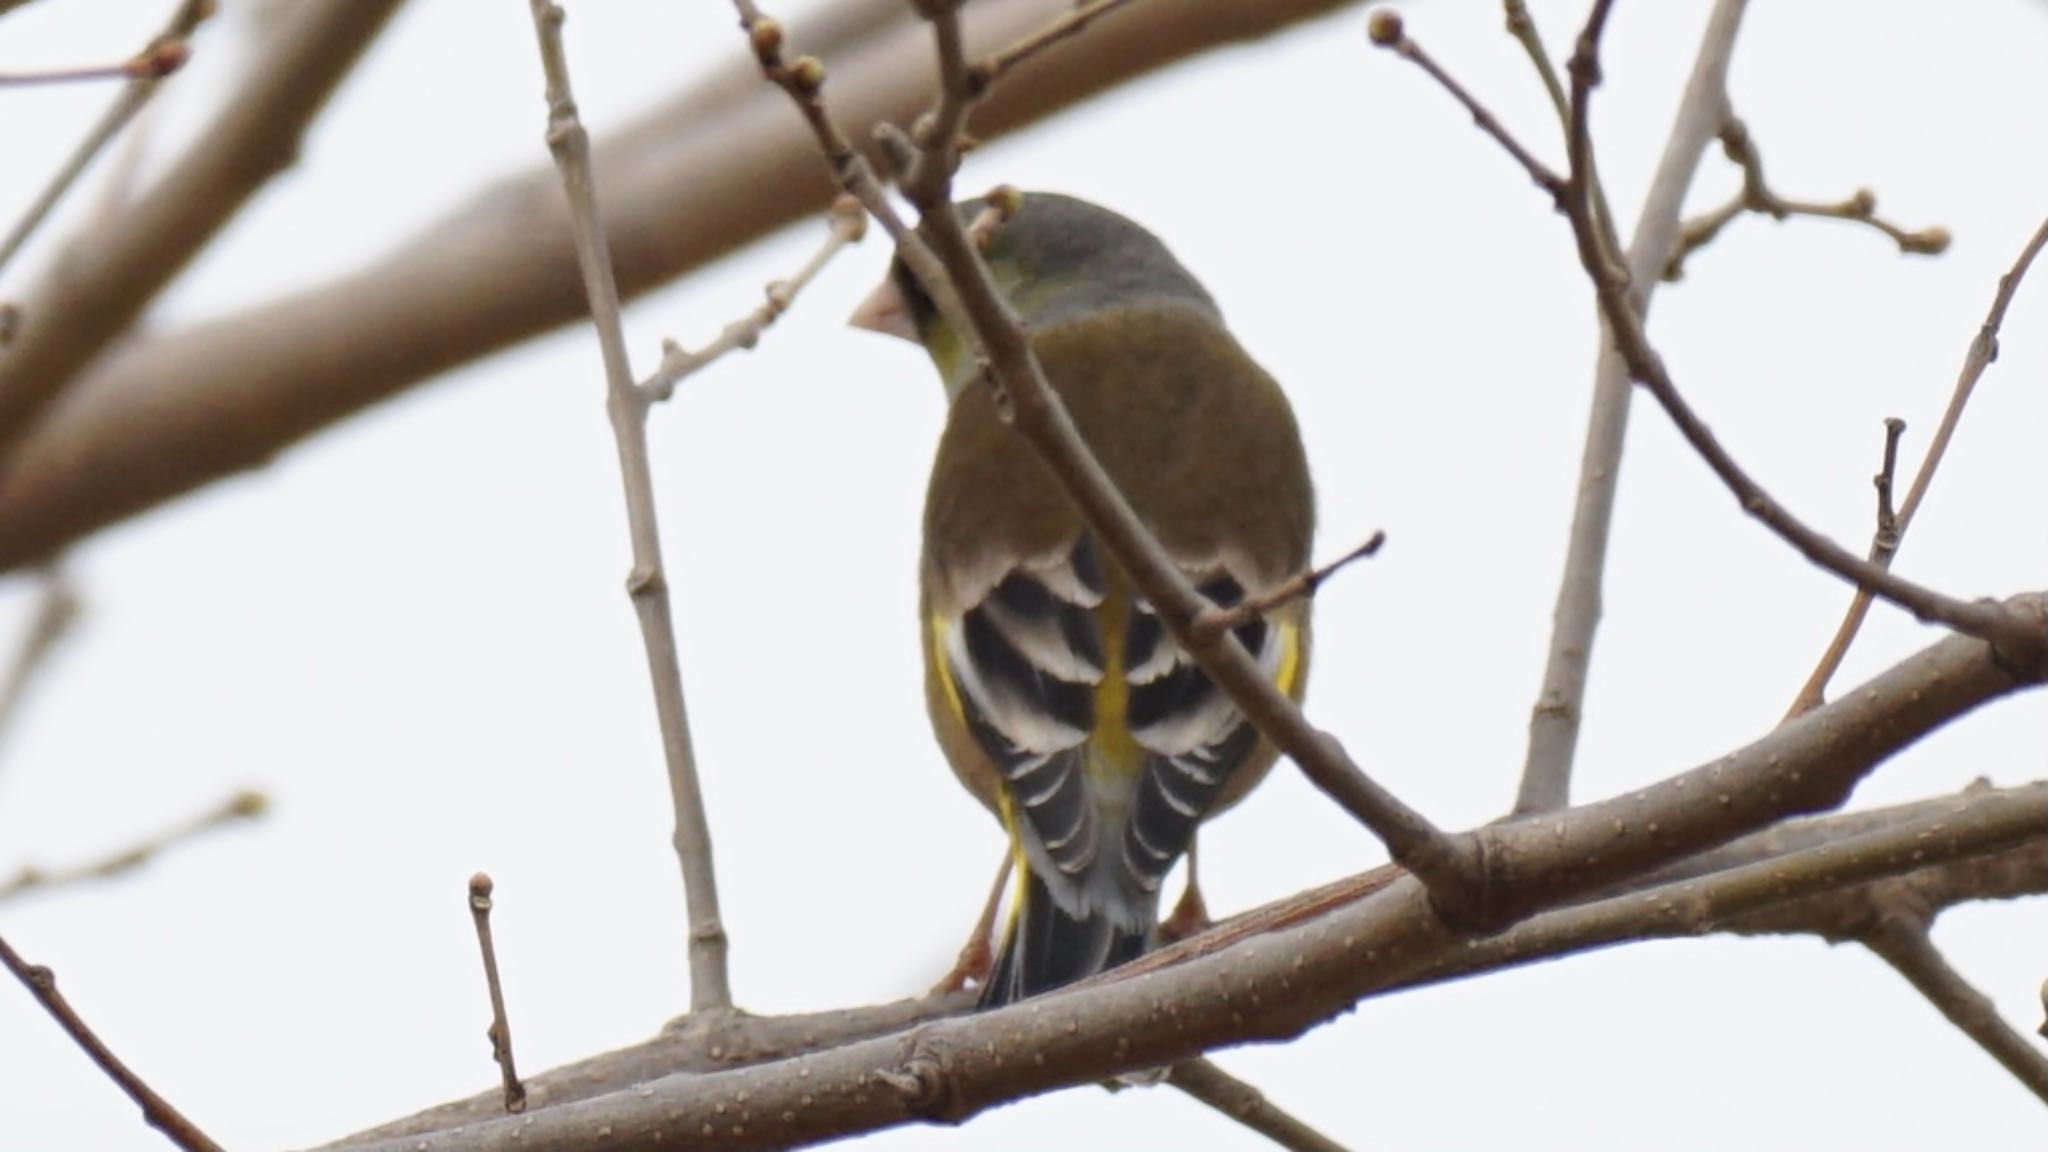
1054 690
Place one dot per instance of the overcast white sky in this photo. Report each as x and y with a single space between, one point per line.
411 630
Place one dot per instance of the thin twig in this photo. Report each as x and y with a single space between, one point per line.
55 612
849 223
157 1112
173 42
500 1033
1215 621
1756 196
1987 621
997 64
1522 27
1983 350
161 58
627 404
1202 1079
1904 943
1386 29
1884 540
244 805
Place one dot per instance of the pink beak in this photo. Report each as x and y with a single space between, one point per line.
885 311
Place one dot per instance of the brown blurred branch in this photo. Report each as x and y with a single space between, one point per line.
56 611
1983 350
157 1112
105 279
244 805
719 166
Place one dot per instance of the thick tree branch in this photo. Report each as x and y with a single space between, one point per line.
1273 984
721 165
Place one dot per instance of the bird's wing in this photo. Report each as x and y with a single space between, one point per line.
1194 736
1021 661
1090 712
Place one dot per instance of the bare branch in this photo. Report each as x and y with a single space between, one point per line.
998 64
55 612
1214 621
172 43
157 1112
1273 985
500 1033
627 404
1756 196
1559 709
1884 540
1789 895
1907 947
2021 641
1983 350
849 224
244 805
1240 1101
158 60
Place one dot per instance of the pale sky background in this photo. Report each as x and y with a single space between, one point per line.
411 630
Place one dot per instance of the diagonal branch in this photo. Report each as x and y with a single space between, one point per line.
156 1111
1907 947
1203 1080
1983 350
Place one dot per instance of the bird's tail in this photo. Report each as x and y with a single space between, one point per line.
1047 947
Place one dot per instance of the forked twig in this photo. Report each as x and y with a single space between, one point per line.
1983 350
